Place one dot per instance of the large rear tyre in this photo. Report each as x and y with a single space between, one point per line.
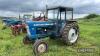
70 33
40 47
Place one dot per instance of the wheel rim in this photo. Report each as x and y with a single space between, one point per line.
42 48
73 35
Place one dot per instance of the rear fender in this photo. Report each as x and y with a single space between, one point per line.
71 21
68 22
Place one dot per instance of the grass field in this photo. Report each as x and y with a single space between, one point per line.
89 38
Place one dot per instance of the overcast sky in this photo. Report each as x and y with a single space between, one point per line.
13 7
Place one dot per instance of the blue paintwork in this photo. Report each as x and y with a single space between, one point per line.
11 21
34 33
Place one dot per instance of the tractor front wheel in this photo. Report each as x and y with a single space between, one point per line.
70 33
40 47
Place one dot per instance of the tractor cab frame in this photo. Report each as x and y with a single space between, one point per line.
59 10
60 17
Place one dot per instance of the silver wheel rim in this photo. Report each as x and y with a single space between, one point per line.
73 35
41 48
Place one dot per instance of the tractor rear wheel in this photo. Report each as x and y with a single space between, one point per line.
70 33
40 47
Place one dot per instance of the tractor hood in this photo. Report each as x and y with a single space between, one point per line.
39 23
35 27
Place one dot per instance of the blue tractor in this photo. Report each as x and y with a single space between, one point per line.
58 26
7 21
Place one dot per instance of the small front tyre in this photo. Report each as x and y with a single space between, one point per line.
40 47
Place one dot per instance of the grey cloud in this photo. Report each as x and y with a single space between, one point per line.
80 6
90 8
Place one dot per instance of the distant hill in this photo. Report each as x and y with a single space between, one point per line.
91 16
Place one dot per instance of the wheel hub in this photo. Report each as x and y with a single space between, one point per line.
41 48
73 35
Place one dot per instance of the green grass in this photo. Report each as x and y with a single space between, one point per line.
89 38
